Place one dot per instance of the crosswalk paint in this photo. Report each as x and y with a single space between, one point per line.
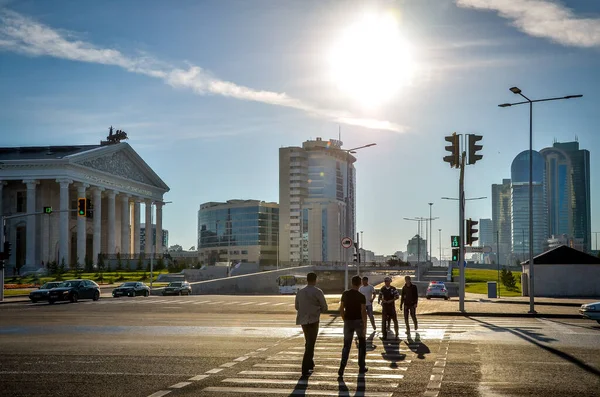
317 367
291 392
305 382
321 374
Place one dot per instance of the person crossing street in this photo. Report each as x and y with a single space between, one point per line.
354 313
410 299
369 292
388 295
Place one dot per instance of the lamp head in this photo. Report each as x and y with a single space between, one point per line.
504 105
573 96
515 90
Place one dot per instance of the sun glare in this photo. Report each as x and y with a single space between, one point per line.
371 60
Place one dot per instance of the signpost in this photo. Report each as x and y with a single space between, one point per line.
346 243
482 250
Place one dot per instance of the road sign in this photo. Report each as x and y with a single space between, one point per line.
482 250
346 242
455 240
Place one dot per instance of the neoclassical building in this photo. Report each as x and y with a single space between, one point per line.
112 176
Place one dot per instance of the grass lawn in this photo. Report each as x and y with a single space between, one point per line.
108 277
476 281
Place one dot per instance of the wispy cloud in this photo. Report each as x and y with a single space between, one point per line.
24 35
544 18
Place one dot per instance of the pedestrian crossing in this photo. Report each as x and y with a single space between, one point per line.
204 302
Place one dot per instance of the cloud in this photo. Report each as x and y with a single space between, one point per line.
544 18
24 35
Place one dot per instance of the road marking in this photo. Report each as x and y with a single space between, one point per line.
160 393
201 302
279 304
247 303
240 359
84 373
328 374
198 377
228 365
215 303
368 360
262 349
304 382
280 365
559 327
180 385
261 304
214 371
292 392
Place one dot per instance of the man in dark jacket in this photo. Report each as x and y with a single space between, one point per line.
354 313
388 295
409 299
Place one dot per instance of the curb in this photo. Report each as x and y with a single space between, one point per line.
513 315
564 304
5 301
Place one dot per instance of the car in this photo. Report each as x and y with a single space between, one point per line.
41 294
591 311
178 288
73 290
134 288
437 289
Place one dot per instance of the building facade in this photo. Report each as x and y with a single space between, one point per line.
416 249
563 239
486 233
501 220
111 176
317 201
520 205
165 239
238 231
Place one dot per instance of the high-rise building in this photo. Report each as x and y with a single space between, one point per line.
416 249
520 205
316 201
568 191
501 220
165 238
486 233
238 231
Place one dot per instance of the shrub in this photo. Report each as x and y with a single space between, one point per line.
119 263
89 264
139 265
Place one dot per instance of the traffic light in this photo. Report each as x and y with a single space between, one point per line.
89 209
454 157
471 231
355 257
455 241
474 148
47 210
81 206
455 255
7 249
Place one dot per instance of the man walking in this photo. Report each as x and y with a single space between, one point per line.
410 298
388 295
354 313
310 303
369 292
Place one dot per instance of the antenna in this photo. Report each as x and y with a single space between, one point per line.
339 133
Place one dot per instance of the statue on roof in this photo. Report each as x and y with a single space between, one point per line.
117 137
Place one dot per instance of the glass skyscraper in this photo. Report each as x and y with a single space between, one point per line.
502 219
520 205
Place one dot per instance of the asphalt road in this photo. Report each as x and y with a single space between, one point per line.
249 346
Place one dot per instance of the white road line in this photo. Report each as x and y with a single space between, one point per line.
262 349
371 368
201 302
180 385
240 359
214 371
304 382
279 304
559 327
198 377
337 359
327 374
292 392
228 365
98 373
160 393
215 303
247 303
262 304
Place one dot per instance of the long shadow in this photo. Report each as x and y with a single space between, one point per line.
417 346
592 326
391 351
361 386
300 388
526 337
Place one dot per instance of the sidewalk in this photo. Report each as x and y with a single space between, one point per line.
478 305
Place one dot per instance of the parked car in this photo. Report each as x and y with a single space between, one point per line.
41 294
591 311
134 288
437 289
73 290
178 288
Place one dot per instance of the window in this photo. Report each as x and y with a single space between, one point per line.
244 252
21 201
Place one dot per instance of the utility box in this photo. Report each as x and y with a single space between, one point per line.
492 289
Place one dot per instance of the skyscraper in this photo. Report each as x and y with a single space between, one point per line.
568 191
520 205
501 220
316 201
486 233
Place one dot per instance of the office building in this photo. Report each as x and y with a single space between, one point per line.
486 233
316 202
416 249
568 191
520 205
563 239
501 220
238 231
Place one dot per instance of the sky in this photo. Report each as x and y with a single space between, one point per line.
208 91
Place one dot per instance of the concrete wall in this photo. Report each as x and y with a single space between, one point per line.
566 280
256 283
209 273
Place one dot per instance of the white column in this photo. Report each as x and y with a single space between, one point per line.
97 203
110 195
64 221
136 226
31 243
148 231
45 226
81 223
159 232
125 219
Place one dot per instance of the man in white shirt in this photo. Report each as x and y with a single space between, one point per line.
369 292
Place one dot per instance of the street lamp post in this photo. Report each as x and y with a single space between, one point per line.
153 241
517 91
430 232
440 260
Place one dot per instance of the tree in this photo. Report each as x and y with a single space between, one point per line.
176 248
61 269
160 264
119 263
192 248
101 267
89 265
53 267
139 263
128 265
508 279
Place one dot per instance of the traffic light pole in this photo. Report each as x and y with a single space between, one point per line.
461 254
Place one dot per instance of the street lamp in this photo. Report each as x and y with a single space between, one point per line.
517 91
418 219
430 231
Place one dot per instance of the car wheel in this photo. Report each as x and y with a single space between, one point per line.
179 293
428 297
74 298
596 320
96 296
146 294
131 294
34 301
50 301
446 298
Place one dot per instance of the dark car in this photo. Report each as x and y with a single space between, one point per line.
41 294
134 288
73 290
178 288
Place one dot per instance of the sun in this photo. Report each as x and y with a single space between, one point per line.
371 60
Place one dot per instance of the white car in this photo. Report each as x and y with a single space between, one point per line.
437 289
591 311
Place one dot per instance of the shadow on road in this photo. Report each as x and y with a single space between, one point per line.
417 347
536 339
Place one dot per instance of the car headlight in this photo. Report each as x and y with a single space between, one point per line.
65 292
591 307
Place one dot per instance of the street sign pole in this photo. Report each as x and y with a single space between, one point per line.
346 243
461 223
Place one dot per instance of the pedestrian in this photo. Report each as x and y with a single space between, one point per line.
410 298
310 303
388 295
354 313
369 292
